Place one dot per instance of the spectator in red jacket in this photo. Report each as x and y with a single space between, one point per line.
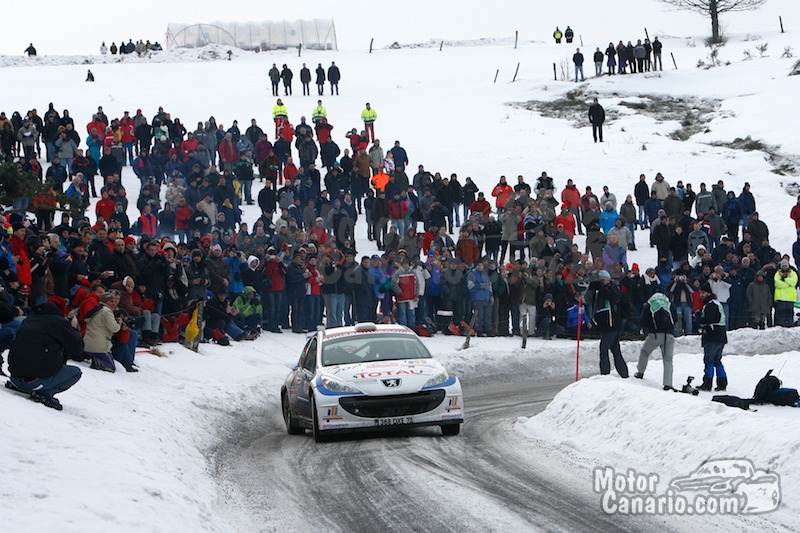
481 206
567 220
795 214
228 155
105 206
571 199
502 191
109 137
183 221
190 144
127 129
148 222
20 249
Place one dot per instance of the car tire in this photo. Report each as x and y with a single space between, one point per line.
451 430
319 435
292 427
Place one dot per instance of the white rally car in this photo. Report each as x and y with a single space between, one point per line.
369 376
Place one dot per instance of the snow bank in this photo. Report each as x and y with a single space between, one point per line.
634 424
126 454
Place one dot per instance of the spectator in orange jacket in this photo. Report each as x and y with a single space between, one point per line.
380 179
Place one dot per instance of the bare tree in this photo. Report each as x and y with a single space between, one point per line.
714 8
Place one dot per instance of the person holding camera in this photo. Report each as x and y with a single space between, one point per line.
123 343
785 281
101 325
658 324
608 320
711 318
36 360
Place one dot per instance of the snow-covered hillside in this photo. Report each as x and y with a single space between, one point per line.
129 448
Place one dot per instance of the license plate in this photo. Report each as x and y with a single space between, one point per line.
396 421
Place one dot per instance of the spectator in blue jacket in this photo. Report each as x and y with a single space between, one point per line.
480 294
608 218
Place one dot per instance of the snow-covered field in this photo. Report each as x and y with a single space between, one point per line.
127 453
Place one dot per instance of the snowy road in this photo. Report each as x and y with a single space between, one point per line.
414 481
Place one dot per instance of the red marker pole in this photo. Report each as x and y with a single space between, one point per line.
578 349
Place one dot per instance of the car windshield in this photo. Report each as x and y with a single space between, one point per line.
371 347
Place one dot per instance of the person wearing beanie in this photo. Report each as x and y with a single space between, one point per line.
607 317
712 320
785 294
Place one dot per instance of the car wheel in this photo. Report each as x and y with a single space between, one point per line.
292 427
319 435
450 430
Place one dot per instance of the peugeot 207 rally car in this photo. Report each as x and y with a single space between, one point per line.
369 376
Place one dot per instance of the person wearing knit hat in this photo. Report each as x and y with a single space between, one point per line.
785 281
130 239
712 321
635 267
606 318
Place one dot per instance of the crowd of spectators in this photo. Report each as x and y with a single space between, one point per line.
442 250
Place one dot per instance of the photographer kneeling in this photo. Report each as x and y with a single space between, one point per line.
36 359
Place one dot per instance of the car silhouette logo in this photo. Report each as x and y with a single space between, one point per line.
391 383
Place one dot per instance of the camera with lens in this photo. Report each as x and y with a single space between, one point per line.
688 389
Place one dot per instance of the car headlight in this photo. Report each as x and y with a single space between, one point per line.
338 386
439 377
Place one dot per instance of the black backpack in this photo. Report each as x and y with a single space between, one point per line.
663 322
765 387
787 397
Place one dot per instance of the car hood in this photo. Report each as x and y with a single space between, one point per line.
386 377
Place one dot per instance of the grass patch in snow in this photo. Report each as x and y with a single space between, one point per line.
782 164
693 114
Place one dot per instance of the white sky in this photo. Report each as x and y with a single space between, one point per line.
78 28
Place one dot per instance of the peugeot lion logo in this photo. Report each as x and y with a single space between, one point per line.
391 383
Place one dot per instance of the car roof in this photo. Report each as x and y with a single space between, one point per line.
364 329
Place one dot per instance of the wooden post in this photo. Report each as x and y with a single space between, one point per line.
469 330
780 19
578 348
496 74
441 44
646 34
370 44
673 60
555 73
516 38
515 73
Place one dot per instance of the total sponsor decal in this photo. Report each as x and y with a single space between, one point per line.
387 373
332 414
452 404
